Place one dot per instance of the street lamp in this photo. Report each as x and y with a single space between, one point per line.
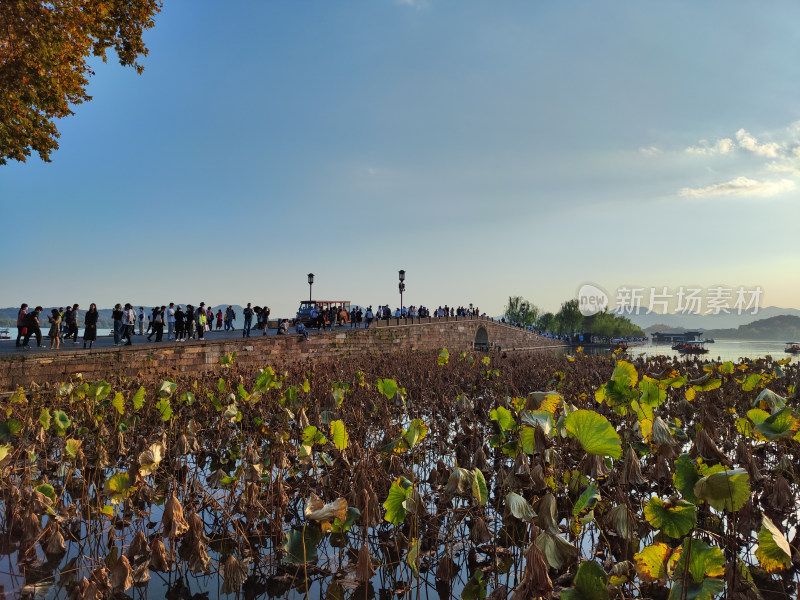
310 283
402 287
470 309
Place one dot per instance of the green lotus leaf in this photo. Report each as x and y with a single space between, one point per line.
339 526
520 507
594 432
726 368
44 418
479 489
685 477
413 556
591 583
312 435
117 487
72 447
587 500
674 519
99 390
751 382
651 394
708 385
707 590
396 502
503 417
784 423
138 398
774 553
119 403
625 374
415 433
301 545
164 409
527 439
769 401
443 357
167 388
704 561
47 490
656 562
729 490
339 435
542 418
60 422
387 387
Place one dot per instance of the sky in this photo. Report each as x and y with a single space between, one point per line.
489 149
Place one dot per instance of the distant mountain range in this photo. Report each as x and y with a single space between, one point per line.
784 328
702 321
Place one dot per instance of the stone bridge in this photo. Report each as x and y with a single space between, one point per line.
457 334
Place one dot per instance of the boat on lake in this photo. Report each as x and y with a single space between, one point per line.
793 347
697 347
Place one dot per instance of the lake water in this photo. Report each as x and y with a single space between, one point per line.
722 349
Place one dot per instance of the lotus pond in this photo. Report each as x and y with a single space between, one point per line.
410 475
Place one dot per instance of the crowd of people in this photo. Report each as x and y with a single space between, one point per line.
192 322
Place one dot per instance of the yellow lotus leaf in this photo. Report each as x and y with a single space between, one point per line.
150 458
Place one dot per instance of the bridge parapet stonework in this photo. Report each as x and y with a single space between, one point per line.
455 334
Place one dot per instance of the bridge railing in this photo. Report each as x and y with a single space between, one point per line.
403 321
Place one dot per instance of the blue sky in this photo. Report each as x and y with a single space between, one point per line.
489 149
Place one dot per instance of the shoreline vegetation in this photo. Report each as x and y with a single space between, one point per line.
471 476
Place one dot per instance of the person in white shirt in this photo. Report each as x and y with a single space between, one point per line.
171 321
141 320
128 322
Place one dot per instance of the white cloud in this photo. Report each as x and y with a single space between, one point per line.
748 142
741 186
723 146
650 151
777 167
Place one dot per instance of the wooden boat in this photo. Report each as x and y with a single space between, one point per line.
694 348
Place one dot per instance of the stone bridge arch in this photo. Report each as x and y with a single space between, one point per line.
481 339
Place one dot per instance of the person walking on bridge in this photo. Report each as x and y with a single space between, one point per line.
248 320
21 331
90 325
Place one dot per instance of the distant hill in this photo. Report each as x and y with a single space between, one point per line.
784 328
664 328
690 321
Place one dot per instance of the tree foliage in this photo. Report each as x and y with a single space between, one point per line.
520 311
44 70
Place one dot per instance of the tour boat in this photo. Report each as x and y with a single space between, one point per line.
793 347
694 348
5 334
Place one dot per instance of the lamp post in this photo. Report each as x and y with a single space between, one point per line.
470 309
402 287
310 283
